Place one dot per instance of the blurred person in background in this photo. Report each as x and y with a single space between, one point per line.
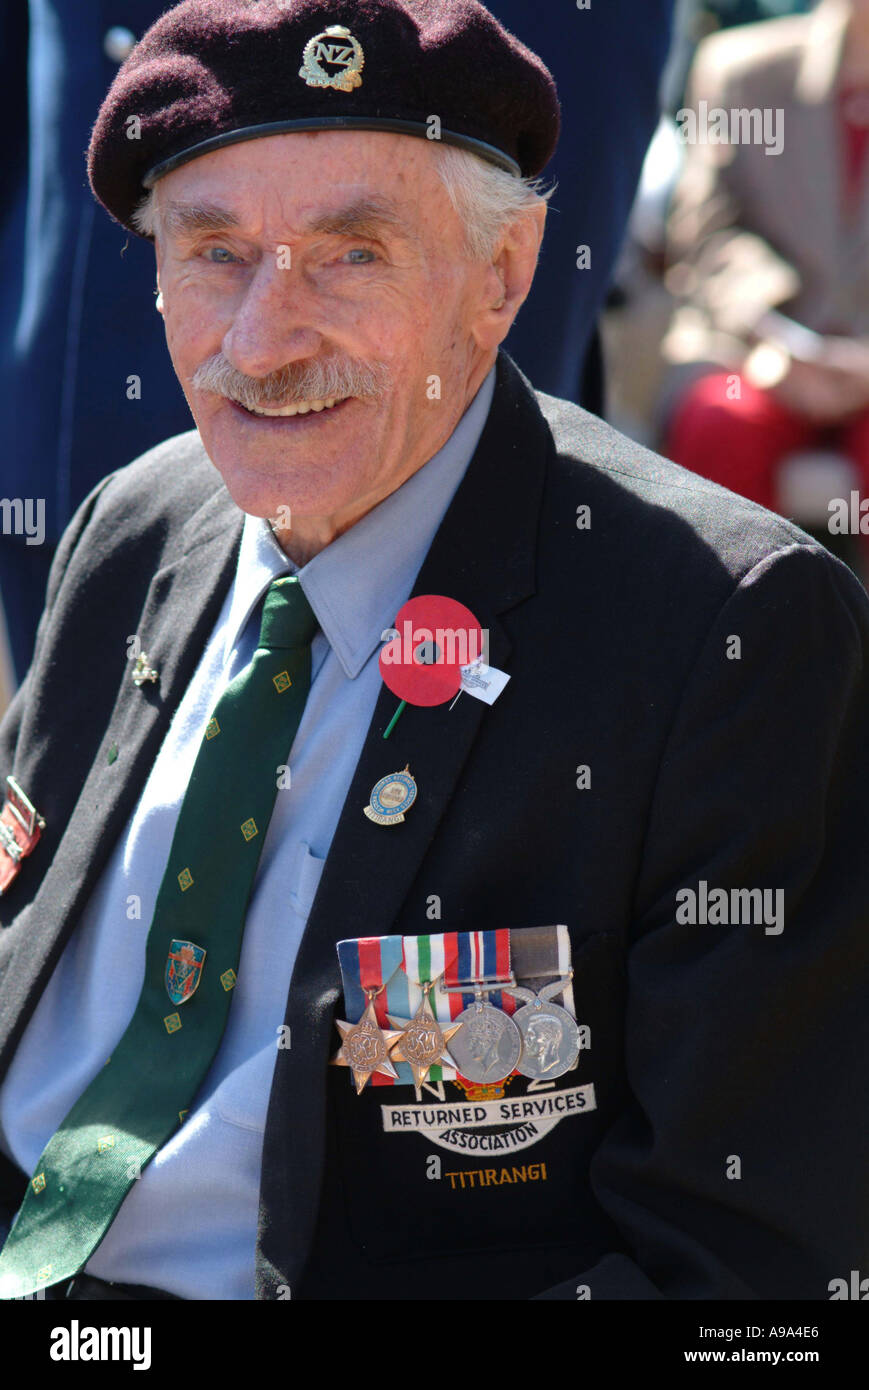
639 305
695 19
767 239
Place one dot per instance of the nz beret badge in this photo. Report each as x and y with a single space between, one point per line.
338 50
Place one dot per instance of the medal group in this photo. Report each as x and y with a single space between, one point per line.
456 1030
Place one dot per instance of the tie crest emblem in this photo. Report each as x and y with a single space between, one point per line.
183 970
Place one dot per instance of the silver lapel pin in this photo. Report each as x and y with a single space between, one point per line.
142 671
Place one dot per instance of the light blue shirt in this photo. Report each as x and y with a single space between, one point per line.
188 1224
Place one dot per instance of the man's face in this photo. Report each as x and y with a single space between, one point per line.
287 253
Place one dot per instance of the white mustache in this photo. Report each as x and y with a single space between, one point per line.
317 380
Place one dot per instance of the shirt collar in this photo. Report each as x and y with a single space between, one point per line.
357 584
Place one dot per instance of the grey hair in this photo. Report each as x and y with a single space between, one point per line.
144 217
487 199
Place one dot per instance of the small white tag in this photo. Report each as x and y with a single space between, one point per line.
482 681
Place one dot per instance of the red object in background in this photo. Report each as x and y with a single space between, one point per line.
436 637
853 108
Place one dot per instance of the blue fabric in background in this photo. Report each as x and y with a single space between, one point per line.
76 307
607 63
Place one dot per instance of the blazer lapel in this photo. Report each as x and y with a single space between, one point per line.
484 556
182 605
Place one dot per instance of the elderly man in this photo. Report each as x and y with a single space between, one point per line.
256 862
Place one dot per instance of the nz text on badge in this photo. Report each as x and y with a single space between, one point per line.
337 48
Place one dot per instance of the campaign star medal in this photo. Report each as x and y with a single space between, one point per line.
343 54
423 1042
550 1035
391 797
365 1046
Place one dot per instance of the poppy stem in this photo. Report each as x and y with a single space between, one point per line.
394 720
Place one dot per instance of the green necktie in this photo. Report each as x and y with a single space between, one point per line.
142 1094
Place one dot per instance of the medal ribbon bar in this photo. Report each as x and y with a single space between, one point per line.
481 959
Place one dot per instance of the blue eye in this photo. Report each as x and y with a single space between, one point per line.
219 255
361 255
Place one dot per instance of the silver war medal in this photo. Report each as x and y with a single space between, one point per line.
550 1035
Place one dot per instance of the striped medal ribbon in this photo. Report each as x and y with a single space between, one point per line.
488 1044
423 1045
367 1043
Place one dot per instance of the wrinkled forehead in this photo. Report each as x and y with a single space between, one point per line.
370 184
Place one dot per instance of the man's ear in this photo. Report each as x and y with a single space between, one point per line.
511 274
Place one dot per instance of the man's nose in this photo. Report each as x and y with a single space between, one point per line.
272 324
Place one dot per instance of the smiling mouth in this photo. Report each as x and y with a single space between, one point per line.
296 408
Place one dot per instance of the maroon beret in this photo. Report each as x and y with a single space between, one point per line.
209 73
